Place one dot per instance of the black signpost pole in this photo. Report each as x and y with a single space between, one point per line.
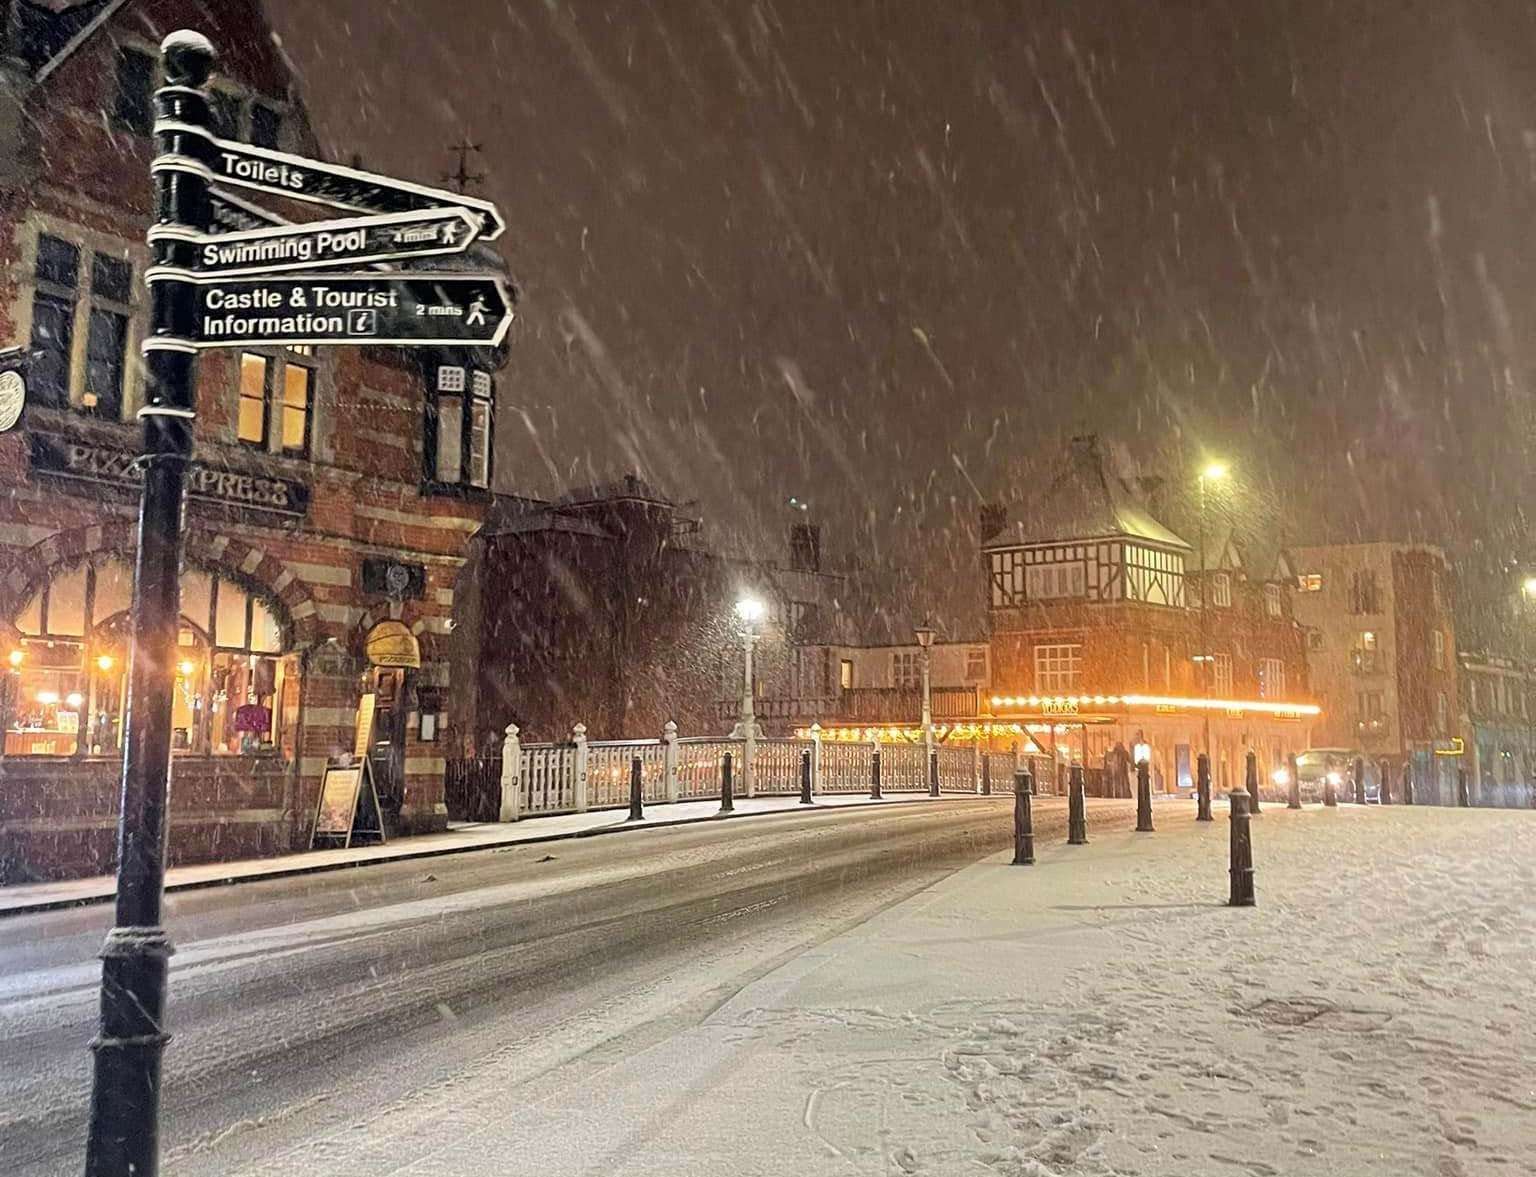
123 1135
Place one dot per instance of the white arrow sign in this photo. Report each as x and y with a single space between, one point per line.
356 240
298 178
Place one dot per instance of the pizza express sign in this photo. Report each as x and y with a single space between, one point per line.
94 463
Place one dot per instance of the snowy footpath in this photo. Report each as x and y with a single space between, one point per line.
1099 1013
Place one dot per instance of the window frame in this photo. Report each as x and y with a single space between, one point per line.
1058 667
1274 601
274 397
1221 590
470 390
83 300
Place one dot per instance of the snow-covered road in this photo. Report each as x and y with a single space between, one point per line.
1099 1013
295 1003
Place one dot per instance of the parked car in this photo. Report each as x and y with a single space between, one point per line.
1315 766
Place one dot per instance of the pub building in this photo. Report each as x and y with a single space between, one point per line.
1097 624
328 512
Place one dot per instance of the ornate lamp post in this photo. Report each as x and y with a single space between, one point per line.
925 635
750 610
1528 595
1213 472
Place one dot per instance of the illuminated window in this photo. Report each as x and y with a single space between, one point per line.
276 399
1058 668
1310 582
298 394
251 427
845 674
236 691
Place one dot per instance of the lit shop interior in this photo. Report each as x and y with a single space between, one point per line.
65 686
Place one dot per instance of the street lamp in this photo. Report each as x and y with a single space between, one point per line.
1212 472
1528 592
750 610
925 635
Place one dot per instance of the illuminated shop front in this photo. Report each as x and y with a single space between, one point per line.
1167 731
237 686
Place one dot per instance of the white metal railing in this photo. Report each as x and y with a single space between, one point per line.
579 775
846 768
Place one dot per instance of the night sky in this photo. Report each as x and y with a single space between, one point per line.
885 256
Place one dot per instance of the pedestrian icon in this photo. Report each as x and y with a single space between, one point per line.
451 233
476 315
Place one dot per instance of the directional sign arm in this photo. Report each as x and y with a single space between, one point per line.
298 178
351 241
445 310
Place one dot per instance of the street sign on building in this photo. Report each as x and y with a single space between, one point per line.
296 178
353 241
430 310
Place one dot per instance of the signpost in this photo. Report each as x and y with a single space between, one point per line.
356 240
294 177
205 294
440 309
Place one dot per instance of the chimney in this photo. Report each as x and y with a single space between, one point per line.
805 547
994 517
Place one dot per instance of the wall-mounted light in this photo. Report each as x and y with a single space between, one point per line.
15 657
187 667
74 699
104 663
47 698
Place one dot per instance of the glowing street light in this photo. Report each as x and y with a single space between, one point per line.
751 610
1210 472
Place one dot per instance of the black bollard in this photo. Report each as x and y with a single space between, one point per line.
1407 782
636 790
1023 820
1077 808
1242 852
1359 774
1384 770
1293 801
874 775
805 778
986 775
1463 797
1203 788
933 773
1251 776
727 803
1143 797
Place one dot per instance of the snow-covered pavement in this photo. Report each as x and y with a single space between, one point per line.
1099 1013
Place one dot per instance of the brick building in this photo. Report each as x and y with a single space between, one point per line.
1096 631
328 513
608 607
1382 648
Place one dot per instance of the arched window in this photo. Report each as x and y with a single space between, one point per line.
66 691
